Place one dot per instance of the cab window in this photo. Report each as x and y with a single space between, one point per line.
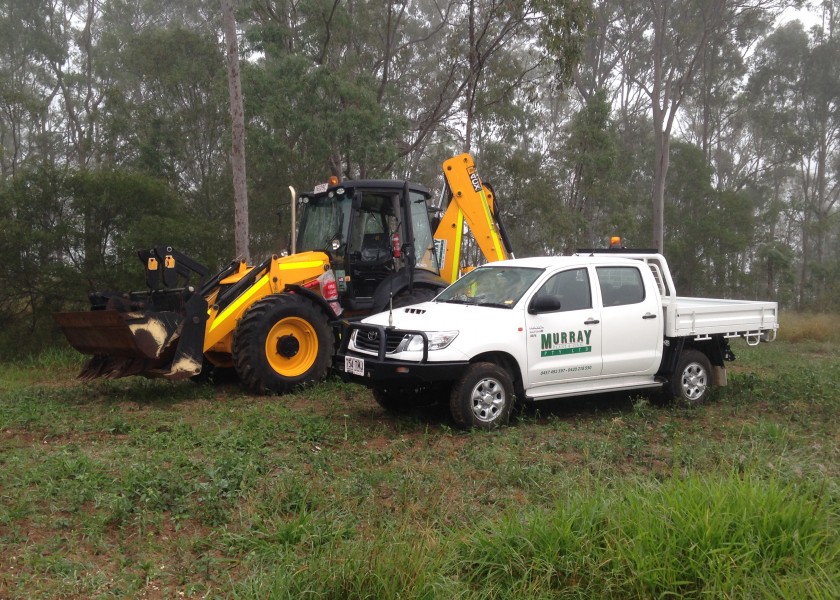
571 288
620 285
424 243
373 222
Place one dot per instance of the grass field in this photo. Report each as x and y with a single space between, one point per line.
144 489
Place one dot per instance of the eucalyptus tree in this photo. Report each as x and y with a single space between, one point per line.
28 46
795 91
663 45
362 88
714 115
237 117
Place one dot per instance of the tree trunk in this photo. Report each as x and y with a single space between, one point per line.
237 150
660 172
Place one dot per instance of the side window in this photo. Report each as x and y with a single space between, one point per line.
571 288
424 243
621 285
369 234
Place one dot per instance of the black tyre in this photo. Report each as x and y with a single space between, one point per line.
282 341
417 295
482 398
210 373
691 382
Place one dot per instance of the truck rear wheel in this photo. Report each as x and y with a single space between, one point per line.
482 398
282 341
692 379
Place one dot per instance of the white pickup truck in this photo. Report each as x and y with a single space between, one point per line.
538 328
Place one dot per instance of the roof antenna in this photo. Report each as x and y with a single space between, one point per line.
391 305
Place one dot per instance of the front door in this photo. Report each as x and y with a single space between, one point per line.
564 343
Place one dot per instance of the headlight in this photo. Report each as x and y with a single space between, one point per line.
438 340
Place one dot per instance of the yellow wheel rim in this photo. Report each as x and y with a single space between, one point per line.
291 346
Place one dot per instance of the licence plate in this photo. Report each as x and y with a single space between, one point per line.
354 366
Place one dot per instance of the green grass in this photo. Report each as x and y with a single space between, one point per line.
148 489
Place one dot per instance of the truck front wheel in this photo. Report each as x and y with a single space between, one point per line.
482 398
282 341
692 379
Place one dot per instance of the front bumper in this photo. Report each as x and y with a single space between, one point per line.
379 369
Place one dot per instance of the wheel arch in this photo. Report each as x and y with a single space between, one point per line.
716 349
508 363
313 297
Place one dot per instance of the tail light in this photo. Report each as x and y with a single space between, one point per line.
395 244
329 290
327 286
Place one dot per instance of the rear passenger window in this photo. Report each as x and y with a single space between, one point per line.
620 285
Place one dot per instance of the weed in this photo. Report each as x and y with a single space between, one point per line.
138 488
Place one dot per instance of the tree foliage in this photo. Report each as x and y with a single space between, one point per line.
115 130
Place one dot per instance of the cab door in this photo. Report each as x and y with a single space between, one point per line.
631 321
563 330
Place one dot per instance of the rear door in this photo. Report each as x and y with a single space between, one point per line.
631 321
564 344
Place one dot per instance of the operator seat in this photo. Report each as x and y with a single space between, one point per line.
375 248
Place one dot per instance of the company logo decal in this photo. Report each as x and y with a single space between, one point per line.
476 182
565 342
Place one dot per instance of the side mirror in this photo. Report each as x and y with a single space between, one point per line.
544 304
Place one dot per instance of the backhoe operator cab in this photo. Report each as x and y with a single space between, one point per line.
379 241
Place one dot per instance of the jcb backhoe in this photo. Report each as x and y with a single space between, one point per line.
362 245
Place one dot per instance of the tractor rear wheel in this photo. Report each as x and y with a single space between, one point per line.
282 341
416 296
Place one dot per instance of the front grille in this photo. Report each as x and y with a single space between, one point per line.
368 339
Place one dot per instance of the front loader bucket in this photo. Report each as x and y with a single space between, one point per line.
126 343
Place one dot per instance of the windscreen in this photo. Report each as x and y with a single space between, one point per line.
323 220
491 286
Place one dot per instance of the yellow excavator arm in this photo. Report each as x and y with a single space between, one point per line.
471 201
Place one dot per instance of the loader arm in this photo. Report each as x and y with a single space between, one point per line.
473 202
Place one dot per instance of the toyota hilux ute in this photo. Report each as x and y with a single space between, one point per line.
550 327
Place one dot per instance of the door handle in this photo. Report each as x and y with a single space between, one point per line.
649 316
591 321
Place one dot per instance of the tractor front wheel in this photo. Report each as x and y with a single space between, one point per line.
282 341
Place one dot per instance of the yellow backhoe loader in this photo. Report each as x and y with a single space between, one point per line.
361 246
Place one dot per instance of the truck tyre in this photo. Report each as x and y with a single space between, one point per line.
691 382
282 341
417 295
482 398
